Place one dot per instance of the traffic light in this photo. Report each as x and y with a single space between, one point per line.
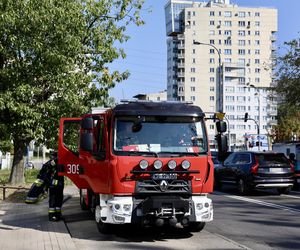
246 117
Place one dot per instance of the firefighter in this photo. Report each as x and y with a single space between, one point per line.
55 193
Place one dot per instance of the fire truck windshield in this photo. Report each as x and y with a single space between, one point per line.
159 134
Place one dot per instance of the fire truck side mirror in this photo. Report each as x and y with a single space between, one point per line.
87 123
221 126
86 141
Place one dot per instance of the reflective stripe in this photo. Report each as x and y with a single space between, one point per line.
54 182
51 210
38 182
58 209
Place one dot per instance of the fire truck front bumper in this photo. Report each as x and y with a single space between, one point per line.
158 210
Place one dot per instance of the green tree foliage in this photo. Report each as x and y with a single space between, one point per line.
288 89
53 63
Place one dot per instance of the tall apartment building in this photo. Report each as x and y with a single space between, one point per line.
205 37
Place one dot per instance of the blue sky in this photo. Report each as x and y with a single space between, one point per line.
146 49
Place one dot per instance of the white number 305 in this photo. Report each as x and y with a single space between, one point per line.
73 168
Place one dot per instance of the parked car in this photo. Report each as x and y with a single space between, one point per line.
250 170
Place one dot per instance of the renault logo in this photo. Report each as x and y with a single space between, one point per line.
163 186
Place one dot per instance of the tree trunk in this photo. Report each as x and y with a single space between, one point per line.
17 171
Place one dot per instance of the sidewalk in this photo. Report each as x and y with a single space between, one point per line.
24 226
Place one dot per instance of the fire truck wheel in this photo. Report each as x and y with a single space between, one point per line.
196 226
104 228
83 205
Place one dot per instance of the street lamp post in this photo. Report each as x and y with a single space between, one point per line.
220 82
259 111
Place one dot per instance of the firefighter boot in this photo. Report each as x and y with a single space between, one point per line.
58 215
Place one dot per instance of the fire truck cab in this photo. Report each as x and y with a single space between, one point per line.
141 162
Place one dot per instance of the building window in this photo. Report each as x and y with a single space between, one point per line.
211 32
241 108
193 70
257 42
229 98
212 127
211 70
257 70
227 51
241 52
194 51
229 108
193 79
227 13
212 79
211 98
257 33
227 42
241 99
211 60
242 42
241 33
211 13
227 23
241 23
229 89
241 61
257 52
257 80
212 41
212 89
193 89
227 60
241 14
257 61
257 23
193 98
212 51
257 14
211 23
227 32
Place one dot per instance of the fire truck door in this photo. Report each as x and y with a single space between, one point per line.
68 151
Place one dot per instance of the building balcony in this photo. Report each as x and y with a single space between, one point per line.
235 65
234 74
272 122
180 46
180 74
180 65
273 38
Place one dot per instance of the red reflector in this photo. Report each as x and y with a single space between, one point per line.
254 168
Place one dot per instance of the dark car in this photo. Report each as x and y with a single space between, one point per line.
249 170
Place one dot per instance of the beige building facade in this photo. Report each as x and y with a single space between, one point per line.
221 57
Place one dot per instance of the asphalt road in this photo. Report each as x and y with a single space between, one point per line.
264 220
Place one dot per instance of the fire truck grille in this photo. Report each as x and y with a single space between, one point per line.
163 186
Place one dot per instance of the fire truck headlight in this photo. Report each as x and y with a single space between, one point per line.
157 164
117 207
172 164
127 207
144 164
185 164
199 206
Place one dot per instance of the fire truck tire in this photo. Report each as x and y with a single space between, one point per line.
104 228
83 204
196 226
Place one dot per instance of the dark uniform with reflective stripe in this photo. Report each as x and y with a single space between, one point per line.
56 196
48 178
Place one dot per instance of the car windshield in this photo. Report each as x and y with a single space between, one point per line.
159 134
272 159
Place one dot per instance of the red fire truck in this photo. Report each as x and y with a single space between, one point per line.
141 162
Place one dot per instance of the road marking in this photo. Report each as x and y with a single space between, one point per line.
292 196
263 203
